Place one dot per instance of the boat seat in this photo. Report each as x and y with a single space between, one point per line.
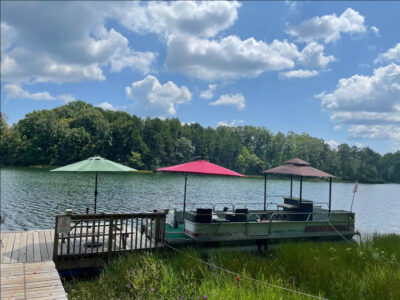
202 215
240 215
288 206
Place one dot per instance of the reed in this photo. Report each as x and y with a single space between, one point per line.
332 270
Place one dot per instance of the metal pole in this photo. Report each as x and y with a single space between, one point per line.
330 193
301 187
184 199
95 195
265 191
291 186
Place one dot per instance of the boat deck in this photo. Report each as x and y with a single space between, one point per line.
27 270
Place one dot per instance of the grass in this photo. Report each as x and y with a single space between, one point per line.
331 270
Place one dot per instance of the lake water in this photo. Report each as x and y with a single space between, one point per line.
30 198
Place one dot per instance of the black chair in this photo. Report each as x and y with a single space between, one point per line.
241 214
202 215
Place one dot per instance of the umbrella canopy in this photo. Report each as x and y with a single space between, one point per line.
298 167
94 164
201 167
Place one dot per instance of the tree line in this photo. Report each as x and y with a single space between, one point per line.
79 130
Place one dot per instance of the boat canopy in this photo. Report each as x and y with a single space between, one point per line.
201 167
298 167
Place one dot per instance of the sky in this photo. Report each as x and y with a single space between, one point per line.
329 69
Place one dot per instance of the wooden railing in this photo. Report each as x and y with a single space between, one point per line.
106 235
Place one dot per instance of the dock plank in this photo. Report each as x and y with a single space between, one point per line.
22 246
29 247
34 280
36 247
43 248
15 251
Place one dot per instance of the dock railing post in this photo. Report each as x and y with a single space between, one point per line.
110 238
157 231
55 246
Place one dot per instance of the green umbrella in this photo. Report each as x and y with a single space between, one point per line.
94 164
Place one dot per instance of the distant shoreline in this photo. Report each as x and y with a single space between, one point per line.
248 176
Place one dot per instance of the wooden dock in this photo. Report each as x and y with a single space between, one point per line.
27 270
26 246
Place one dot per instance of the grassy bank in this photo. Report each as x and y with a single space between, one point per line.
335 271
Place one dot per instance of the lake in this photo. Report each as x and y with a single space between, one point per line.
30 197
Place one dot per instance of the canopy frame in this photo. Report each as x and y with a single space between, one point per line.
298 167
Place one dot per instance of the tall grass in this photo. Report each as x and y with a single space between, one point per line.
335 271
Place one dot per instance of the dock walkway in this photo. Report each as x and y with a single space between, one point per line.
27 270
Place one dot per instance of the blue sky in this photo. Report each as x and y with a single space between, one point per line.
330 69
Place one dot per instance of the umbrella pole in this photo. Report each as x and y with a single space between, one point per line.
301 187
291 186
330 193
95 195
184 200
265 191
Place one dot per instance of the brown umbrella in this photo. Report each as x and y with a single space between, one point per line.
298 167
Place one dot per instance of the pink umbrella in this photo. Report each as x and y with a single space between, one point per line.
199 167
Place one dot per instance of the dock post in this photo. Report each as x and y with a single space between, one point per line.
265 191
55 245
330 193
301 187
110 238
291 186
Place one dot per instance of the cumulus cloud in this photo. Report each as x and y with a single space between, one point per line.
229 57
393 54
370 105
313 56
155 99
107 106
234 123
328 28
384 132
337 127
299 74
16 91
205 18
208 94
66 98
333 144
48 44
236 100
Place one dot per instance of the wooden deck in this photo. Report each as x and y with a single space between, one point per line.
34 280
27 270
26 246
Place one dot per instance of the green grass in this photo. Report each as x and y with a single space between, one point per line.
332 270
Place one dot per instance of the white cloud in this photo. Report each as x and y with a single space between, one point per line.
377 93
337 127
329 27
369 104
333 144
107 106
234 123
66 98
299 74
155 99
385 132
48 44
375 30
15 91
313 56
236 100
204 19
229 57
392 54
208 94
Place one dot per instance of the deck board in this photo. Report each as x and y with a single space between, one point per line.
33 280
26 246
